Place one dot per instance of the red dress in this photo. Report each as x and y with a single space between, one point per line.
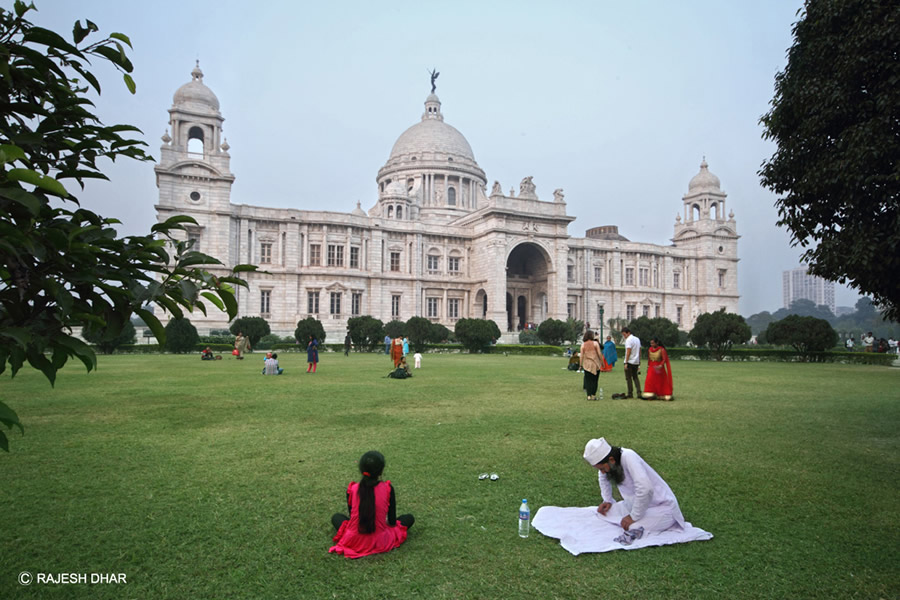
397 351
353 544
659 373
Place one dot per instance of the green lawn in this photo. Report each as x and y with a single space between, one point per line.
208 480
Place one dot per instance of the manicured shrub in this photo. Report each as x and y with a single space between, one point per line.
553 332
720 331
366 332
252 327
181 336
804 334
395 329
107 344
309 327
476 335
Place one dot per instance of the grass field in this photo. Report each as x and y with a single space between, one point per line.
207 480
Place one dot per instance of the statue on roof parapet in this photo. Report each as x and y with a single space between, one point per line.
527 189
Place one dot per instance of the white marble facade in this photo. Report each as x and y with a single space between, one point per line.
435 243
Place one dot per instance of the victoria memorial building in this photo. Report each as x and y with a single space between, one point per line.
436 242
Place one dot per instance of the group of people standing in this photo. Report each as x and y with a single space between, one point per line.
593 361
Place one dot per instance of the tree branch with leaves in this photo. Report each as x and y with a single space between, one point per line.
62 266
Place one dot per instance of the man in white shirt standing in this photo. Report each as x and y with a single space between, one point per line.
648 504
632 361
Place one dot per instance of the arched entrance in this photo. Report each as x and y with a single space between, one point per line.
481 305
527 269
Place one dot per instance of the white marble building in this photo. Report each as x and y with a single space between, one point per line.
435 243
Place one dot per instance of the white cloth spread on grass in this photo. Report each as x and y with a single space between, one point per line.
582 530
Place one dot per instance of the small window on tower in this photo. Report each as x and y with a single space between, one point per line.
195 196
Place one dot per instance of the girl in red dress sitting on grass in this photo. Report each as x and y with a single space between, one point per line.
372 526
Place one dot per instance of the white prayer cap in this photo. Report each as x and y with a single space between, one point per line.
596 450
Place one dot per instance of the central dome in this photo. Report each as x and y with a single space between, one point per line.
432 137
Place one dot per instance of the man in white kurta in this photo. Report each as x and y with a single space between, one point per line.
647 500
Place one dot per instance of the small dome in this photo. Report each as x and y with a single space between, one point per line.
358 211
704 181
196 93
396 189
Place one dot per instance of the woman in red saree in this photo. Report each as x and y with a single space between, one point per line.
658 384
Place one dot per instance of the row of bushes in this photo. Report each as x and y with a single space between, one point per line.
738 354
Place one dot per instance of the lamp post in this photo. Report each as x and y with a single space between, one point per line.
601 324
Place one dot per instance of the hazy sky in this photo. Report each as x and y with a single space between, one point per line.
615 102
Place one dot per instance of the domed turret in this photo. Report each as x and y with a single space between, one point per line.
704 181
705 198
194 94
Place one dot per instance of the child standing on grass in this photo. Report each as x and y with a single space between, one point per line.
372 526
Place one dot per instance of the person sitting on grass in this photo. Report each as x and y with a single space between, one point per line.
402 371
272 367
648 504
207 354
372 526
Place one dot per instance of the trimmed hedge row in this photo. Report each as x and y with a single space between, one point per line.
783 355
738 354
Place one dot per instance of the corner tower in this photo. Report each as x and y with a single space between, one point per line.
193 174
711 239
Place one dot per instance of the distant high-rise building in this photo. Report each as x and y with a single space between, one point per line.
799 284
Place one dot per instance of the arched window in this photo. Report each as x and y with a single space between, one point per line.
714 211
399 212
195 140
451 196
390 212
695 212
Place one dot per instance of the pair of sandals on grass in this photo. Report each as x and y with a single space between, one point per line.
491 476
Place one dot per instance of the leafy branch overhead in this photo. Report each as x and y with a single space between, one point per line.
835 121
62 266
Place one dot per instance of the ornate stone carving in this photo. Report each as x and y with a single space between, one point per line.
527 189
558 195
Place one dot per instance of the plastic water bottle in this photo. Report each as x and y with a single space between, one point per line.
599 393
524 519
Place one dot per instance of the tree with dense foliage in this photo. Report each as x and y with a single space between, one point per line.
834 120
660 328
418 330
476 334
576 330
439 333
309 326
529 337
366 332
395 329
719 331
62 266
254 328
805 334
181 336
553 332
106 342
